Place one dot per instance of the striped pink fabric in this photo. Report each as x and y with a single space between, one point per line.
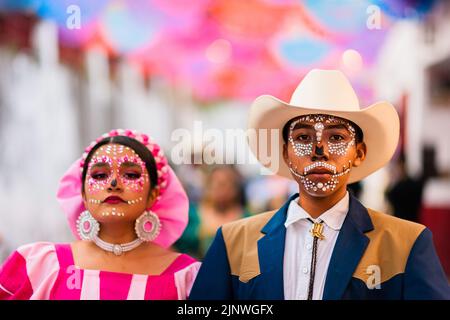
46 271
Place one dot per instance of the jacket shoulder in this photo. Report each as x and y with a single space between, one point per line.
241 242
391 241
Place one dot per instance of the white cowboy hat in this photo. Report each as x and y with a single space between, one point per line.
326 92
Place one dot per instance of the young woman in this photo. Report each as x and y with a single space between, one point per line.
127 207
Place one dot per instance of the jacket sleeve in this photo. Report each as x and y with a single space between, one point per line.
424 276
214 280
14 282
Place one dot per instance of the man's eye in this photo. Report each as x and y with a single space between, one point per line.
132 175
336 137
99 176
303 138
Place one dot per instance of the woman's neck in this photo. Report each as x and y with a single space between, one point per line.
118 233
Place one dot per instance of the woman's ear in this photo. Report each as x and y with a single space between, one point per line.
152 197
361 150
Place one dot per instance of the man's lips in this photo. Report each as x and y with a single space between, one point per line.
319 171
113 200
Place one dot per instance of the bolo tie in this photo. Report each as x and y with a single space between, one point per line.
317 233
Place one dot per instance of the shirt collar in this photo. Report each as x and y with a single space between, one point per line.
333 217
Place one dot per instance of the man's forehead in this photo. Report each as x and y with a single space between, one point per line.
308 125
326 120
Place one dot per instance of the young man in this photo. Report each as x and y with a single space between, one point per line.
323 243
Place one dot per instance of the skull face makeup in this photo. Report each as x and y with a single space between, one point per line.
117 183
322 153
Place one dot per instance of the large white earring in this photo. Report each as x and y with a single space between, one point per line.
87 226
147 226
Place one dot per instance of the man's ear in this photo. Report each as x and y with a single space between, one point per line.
361 151
285 153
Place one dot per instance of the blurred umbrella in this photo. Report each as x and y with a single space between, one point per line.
339 16
402 9
130 25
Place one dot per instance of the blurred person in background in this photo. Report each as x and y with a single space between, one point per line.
126 206
405 195
223 201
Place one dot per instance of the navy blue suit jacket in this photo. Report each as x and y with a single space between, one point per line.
245 261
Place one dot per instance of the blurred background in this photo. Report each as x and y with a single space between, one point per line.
71 70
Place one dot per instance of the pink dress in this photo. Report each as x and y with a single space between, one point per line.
45 270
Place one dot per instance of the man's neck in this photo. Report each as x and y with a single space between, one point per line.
315 206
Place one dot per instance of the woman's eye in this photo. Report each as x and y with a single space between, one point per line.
132 175
99 176
336 137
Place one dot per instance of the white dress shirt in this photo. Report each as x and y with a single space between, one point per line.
298 248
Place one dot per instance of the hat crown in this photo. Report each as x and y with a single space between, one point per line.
325 89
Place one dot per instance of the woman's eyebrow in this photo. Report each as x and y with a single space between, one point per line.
129 164
100 165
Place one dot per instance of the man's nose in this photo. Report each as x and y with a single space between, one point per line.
319 152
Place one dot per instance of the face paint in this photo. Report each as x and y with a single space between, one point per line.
132 181
117 170
335 148
100 180
113 212
134 201
300 149
319 129
328 185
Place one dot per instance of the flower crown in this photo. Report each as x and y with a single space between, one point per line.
158 154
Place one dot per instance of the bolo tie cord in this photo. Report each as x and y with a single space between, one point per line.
316 232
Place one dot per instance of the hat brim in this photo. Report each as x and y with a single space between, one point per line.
379 122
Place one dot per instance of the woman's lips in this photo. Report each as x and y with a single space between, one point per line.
113 200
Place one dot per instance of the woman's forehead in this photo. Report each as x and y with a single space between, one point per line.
114 150
115 154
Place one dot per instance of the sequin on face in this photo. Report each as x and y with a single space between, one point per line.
335 148
112 165
134 184
329 185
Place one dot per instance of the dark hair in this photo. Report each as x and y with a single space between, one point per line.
241 196
138 147
359 136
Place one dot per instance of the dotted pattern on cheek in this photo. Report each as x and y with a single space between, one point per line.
335 148
340 148
95 185
162 167
300 149
136 185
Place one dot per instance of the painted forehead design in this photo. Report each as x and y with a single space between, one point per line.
318 121
117 154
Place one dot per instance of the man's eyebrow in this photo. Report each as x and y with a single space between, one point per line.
302 125
337 126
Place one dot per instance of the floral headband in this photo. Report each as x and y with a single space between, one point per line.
171 205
